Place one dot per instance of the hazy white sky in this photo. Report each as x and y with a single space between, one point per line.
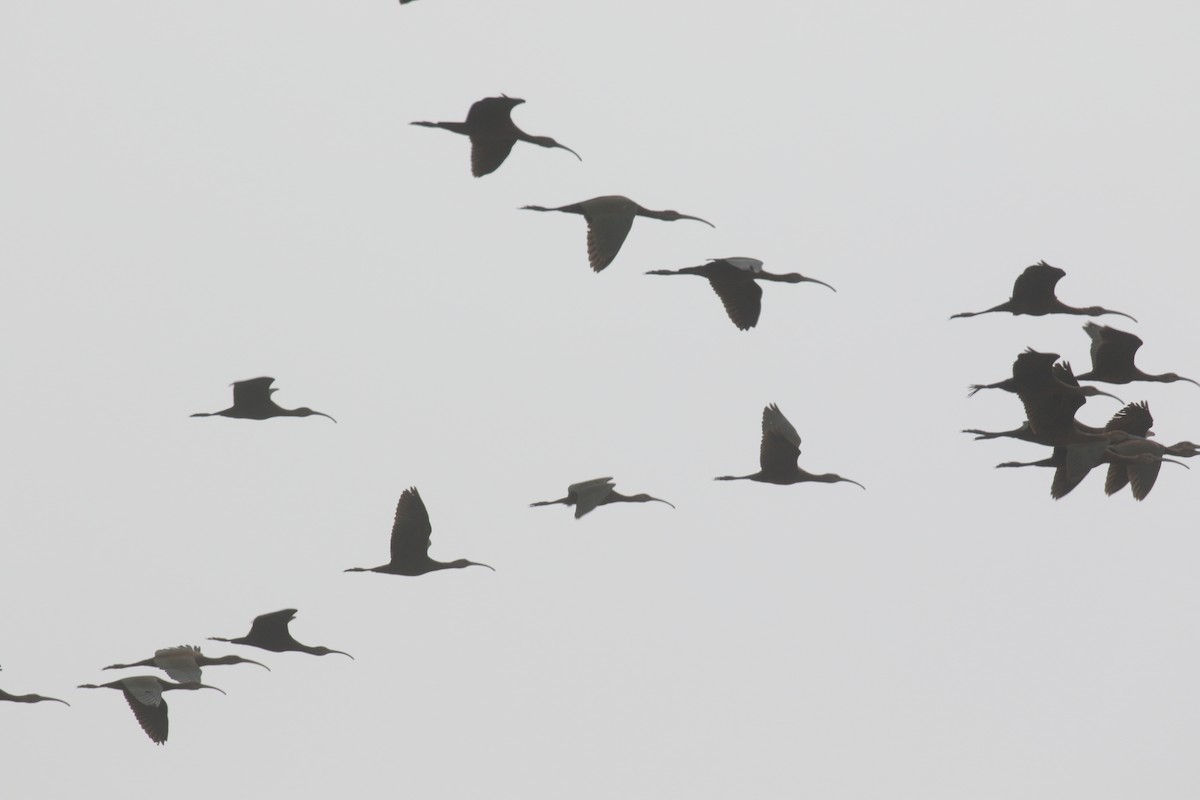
197 193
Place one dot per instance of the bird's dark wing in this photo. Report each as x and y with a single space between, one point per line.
490 111
1142 477
1111 349
151 712
589 494
273 626
1116 479
607 230
179 663
1037 281
411 530
742 298
488 153
1062 370
1134 418
252 392
780 442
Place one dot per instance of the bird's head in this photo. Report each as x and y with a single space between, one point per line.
671 216
198 685
645 498
511 102
236 660
304 411
324 651
1171 377
796 277
462 562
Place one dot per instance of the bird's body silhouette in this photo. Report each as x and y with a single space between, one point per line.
587 495
1112 358
144 693
735 282
184 663
252 400
1033 294
778 452
28 698
411 531
609 220
490 127
270 632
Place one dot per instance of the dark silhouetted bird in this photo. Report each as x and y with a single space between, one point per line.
492 132
609 219
1112 358
410 541
1137 462
252 400
778 453
1033 294
1060 370
184 663
734 281
144 693
28 698
270 632
586 495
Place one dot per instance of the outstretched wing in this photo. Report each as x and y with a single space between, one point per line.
780 443
607 229
179 663
1116 479
1142 476
1134 418
1037 281
1112 350
589 494
273 626
411 529
488 153
151 712
742 298
252 392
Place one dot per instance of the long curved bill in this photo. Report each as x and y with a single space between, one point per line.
823 283
569 150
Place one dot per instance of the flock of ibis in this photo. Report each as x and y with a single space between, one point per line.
1048 389
1052 395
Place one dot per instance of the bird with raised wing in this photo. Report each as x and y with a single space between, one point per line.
270 632
411 531
252 400
184 663
735 282
490 127
144 693
778 454
1137 462
586 495
609 220
1061 370
1112 358
1033 294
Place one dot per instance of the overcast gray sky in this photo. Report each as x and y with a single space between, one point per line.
198 193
